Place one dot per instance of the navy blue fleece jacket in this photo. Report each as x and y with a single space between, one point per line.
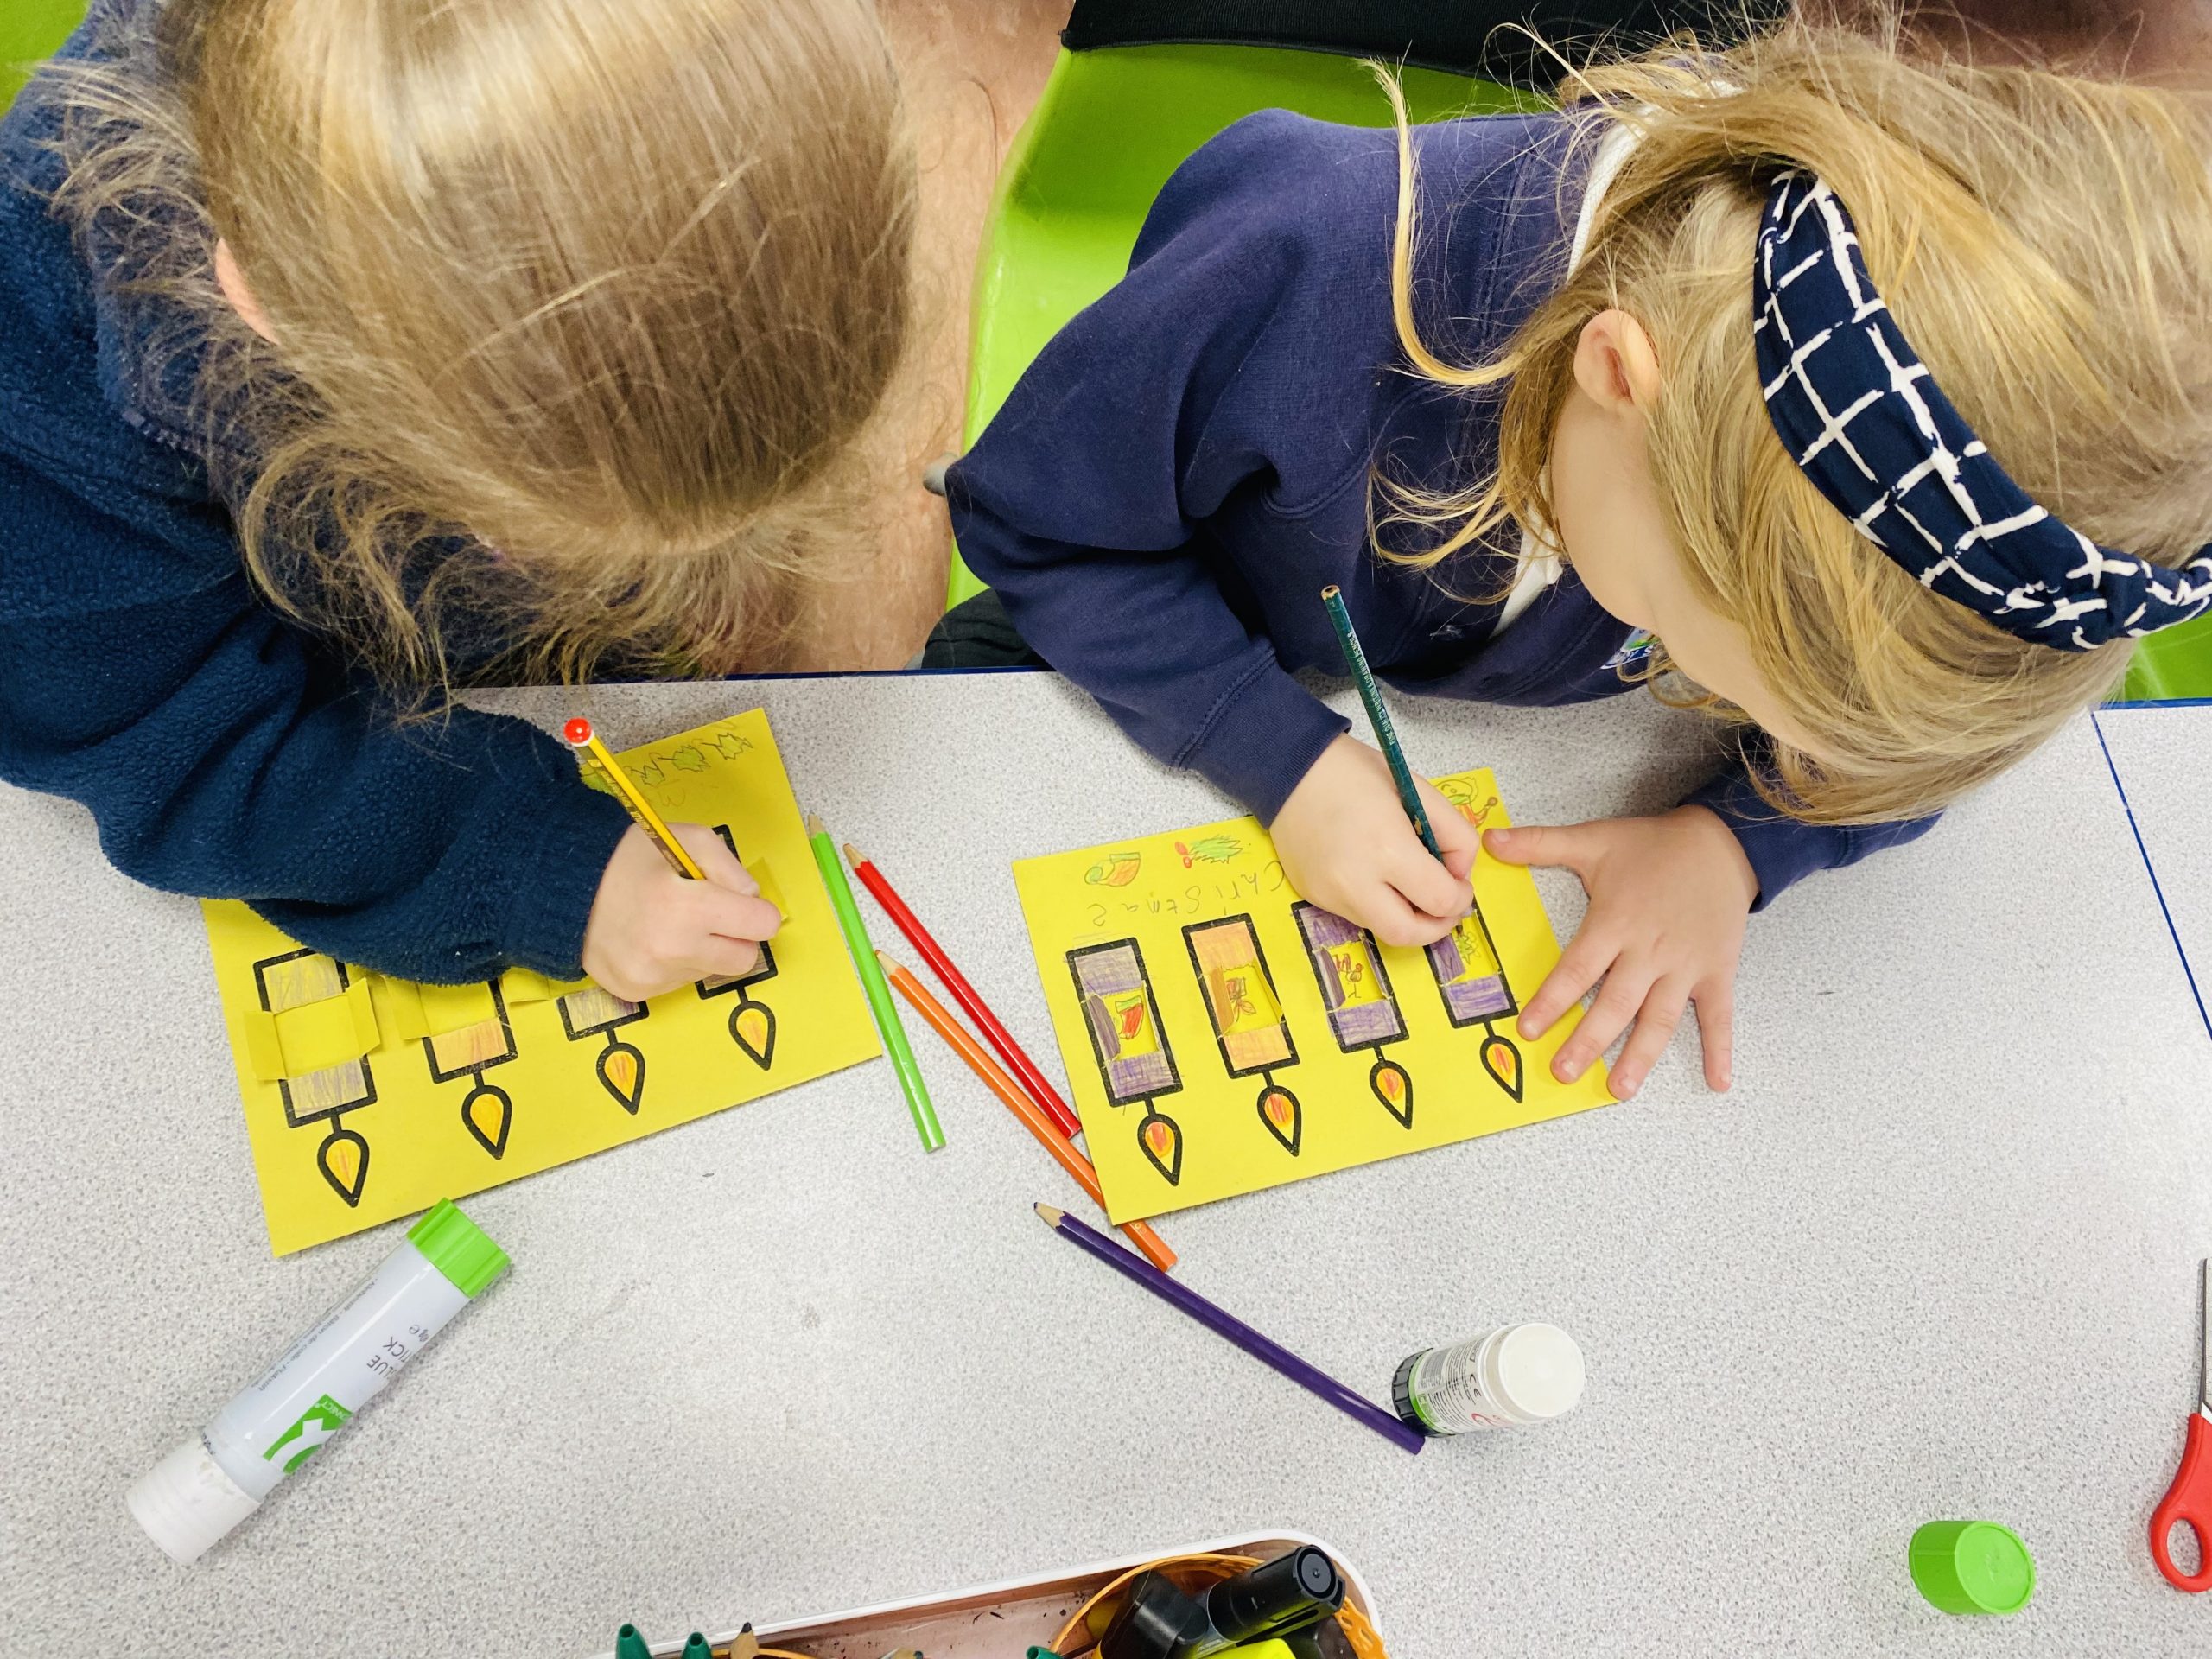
1186 464
223 751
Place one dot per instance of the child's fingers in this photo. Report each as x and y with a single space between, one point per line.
1393 920
1626 986
1427 887
713 908
1586 957
713 858
1567 846
731 956
1656 1025
1456 839
1716 1029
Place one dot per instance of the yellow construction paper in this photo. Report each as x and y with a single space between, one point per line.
368 1098
1222 1035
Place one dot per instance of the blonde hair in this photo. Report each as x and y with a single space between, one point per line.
581 308
2045 242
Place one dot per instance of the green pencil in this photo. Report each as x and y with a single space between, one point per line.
1386 735
879 994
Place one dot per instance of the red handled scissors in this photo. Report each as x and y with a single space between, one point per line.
2188 1501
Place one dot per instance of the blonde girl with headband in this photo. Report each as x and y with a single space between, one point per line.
356 348
1863 405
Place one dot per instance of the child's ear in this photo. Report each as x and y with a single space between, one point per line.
231 281
1615 363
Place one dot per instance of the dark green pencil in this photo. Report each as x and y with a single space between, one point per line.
1386 735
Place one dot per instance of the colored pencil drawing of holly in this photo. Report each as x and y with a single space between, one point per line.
1210 849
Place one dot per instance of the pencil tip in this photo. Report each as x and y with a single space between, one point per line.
814 826
1050 1215
853 856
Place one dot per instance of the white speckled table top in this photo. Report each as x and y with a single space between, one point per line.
1935 1256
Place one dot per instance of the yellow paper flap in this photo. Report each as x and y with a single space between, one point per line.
403 1008
521 985
264 1050
319 1035
454 1008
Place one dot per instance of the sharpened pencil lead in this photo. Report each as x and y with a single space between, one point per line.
1051 1216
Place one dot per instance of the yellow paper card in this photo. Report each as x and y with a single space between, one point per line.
368 1099
1222 1035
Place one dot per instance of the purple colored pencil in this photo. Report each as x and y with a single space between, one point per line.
1263 1348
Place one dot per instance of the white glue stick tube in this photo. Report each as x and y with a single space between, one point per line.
195 1496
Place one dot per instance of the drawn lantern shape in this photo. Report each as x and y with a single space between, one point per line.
592 1012
299 980
1473 981
1363 1009
1248 1018
477 1037
752 1022
1122 1016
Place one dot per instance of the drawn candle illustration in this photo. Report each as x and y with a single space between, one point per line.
752 1022
1472 979
1363 1010
1248 1018
1122 1017
477 1036
592 1012
300 980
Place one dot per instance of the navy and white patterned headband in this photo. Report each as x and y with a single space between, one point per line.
1865 422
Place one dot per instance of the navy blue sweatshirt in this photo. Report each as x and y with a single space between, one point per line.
223 751
1186 464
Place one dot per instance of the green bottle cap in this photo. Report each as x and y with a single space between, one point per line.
458 1248
1972 1566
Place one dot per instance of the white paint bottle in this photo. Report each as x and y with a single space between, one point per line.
1506 1378
194 1496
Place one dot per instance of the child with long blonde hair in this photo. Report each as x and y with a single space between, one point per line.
358 348
1863 404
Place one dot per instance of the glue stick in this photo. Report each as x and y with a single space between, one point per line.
195 1496
1506 1378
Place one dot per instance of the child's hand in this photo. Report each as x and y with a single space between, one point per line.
1668 897
651 929
1347 845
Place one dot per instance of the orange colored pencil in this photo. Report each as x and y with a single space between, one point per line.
1032 1119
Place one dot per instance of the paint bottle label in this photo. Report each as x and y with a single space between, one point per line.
1505 1378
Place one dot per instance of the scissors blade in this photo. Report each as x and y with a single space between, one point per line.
2205 1323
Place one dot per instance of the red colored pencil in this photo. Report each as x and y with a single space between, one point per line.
953 980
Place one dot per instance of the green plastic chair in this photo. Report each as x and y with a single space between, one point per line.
2175 666
1114 122
30 31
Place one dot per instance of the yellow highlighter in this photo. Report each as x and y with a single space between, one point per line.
579 736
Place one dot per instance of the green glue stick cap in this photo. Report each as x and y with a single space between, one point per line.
458 1248
1972 1566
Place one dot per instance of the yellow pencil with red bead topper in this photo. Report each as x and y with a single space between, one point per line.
579 736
